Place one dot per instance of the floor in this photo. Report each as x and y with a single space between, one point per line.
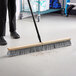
56 62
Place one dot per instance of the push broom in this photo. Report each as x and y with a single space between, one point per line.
41 46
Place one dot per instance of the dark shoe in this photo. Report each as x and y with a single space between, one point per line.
2 41
15 35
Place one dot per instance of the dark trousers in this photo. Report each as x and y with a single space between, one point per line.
11 6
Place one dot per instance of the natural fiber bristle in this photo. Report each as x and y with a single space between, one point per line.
39 47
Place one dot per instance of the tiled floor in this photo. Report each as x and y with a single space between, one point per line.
57 62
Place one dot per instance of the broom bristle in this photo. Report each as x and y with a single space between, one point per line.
39 47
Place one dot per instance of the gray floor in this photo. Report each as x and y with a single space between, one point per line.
57 62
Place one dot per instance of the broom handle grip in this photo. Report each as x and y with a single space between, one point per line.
34 21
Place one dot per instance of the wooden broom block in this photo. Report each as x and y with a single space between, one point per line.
71 3
39 44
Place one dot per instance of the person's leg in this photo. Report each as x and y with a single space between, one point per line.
3 11
12 18
12 14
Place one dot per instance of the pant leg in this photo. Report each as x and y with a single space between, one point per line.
3 11
12 14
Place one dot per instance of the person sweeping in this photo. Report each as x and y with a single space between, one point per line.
11 6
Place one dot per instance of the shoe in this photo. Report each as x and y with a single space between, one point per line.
2 41
15 35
